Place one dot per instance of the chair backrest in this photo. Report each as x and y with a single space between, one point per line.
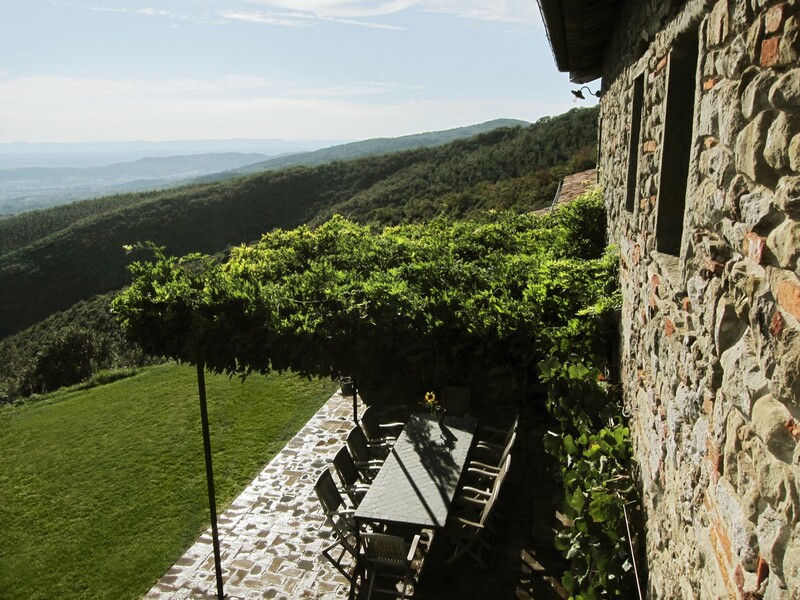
512 431
501 476
455 400
331 500
346 468
357 443
486 513
328 494
370 424
385 550
507 450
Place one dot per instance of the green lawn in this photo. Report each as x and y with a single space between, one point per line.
101 490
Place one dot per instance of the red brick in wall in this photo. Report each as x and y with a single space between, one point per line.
789 298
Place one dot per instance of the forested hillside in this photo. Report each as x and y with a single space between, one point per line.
26 188
50 263
377 146
56 262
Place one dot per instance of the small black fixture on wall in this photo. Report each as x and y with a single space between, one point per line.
579 93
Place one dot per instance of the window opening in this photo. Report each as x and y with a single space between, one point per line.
634 148
677 144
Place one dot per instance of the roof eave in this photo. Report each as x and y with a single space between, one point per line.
579 34
553 18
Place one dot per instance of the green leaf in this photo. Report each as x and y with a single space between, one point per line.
602 507
568 582
578 500
569 445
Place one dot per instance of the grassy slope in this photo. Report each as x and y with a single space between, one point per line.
102 490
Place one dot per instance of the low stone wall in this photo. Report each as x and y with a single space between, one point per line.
710 352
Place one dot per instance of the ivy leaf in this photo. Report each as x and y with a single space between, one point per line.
578 371
548 367
578 500
601 507
568 582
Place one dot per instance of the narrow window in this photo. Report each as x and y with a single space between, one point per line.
677 144
635 142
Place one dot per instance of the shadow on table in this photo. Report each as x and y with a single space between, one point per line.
435 445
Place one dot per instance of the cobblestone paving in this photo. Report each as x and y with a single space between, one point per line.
272 535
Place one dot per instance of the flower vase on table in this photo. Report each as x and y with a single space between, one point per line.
434 407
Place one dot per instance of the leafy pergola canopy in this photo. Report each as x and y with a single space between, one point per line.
426 303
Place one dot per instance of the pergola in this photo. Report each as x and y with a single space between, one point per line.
431 302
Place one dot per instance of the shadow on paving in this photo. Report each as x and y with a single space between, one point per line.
522 562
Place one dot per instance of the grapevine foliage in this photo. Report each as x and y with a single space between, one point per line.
434 302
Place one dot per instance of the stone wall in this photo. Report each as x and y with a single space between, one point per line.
710 354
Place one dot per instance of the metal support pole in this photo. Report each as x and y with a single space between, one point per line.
355 402
212 503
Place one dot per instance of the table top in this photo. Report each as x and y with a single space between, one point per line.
416 484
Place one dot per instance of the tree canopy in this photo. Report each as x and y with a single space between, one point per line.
423 304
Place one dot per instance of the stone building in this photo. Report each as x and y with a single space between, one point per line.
700 163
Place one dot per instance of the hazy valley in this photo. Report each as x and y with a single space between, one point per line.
37 176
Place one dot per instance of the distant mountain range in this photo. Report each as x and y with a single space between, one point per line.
377 146
59 173
28 188
99 154
51 259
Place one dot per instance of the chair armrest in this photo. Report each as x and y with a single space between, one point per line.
483 474
475 465
464 521
368 464
359 487
393 425
381 442
412 550
340 513
489 446
377 443
476 491
474 501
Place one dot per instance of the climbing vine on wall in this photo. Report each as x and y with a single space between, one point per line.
593 448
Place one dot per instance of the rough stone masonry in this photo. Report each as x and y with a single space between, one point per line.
710 336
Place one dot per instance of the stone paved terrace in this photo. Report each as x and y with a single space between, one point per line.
272 535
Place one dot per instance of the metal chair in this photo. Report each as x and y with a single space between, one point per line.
377 432
478 496
492 437
367 460
343 524
391 562
492 460
355 485
469 528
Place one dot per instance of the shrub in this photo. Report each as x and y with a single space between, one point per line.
67 359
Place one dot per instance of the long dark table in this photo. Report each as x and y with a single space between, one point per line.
416 484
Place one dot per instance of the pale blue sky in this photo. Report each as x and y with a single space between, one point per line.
121 70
